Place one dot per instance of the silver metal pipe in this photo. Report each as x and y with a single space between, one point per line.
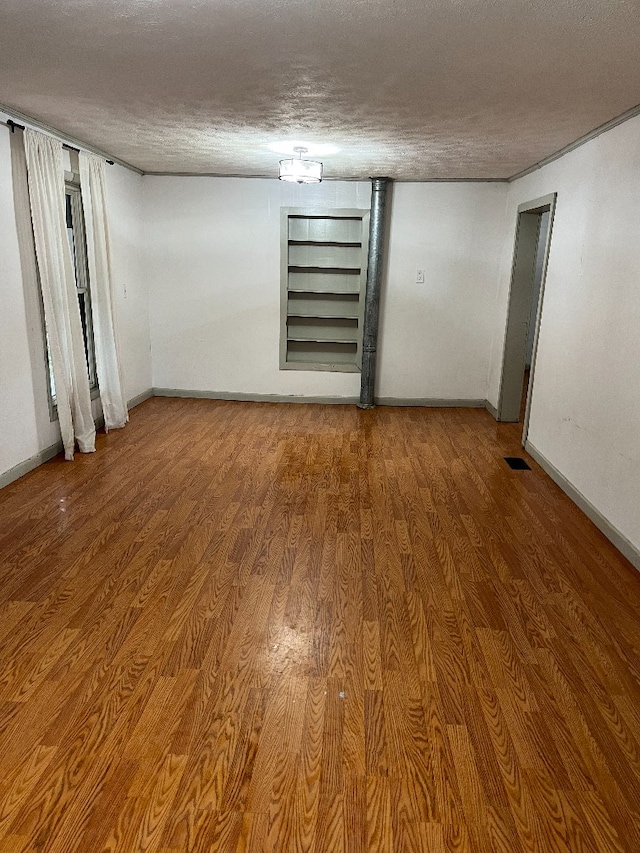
372 294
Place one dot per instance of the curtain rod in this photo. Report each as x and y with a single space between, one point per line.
13 125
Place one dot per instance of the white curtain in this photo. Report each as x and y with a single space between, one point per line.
93 189
45 175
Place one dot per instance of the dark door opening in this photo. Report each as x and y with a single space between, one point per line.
533 237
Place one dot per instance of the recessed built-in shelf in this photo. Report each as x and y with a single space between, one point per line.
323 305
324 259
324 229
330 355
334 329
324 255
324 281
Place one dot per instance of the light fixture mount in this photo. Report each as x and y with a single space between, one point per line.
300 171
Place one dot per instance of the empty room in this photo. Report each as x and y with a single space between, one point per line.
319 426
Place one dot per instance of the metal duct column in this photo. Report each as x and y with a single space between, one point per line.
372 294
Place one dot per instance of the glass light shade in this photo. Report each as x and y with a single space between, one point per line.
301 171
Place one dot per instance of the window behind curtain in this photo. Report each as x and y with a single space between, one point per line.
78 247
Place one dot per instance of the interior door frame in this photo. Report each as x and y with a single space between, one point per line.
522 278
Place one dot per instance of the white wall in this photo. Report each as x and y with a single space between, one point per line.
131 284
436 337
25 426
214 263
585 415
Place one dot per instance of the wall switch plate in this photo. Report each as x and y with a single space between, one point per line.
419 276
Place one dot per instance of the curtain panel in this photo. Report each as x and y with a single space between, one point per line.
45 177
93 189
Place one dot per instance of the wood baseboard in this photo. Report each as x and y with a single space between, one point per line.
241 397
48 453
627 548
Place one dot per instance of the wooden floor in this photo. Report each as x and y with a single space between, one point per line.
257 628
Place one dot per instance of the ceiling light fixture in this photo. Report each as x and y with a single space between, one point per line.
301 171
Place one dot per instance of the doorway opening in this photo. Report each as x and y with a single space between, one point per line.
528 272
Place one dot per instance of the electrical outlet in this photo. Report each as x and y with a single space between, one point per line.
419 276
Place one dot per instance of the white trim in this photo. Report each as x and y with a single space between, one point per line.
240 397
543 204
233 396
577 143
535 206
549 201
48 453
23 118
491 409
29 464
131 404
347 178
140 398
581 140
432 402
626 548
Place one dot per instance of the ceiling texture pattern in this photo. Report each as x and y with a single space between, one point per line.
413 89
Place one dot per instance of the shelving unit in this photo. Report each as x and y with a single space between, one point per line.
324 272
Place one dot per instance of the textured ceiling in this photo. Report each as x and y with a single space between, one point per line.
413 89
